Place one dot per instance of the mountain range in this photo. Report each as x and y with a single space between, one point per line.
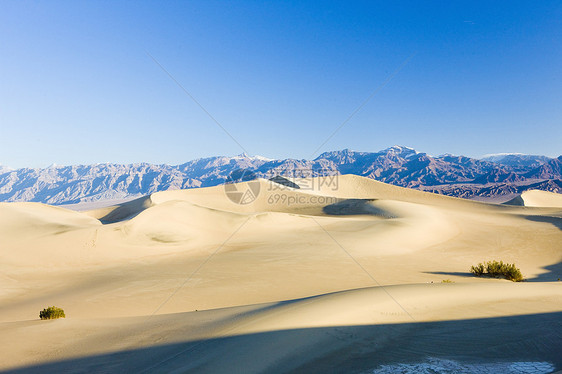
493 176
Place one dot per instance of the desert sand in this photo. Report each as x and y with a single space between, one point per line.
340 276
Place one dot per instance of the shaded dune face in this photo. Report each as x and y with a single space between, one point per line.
326 275
357 207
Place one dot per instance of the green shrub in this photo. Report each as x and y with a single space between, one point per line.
447 281
497 269
51 312
477 270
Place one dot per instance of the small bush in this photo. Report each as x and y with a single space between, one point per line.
51 312
497 269
478 270
447 281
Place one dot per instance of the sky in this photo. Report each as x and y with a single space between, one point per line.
167 82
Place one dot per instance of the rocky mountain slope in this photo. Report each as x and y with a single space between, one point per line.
492 176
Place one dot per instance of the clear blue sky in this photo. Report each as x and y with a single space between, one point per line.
77 85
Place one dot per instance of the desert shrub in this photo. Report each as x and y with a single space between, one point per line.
447 281
477 270
497 269
51 312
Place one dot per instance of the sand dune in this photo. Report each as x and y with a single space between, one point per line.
337 274
39 219
536 198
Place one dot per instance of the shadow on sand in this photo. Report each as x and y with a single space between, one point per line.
353 207
556 221
338 349
554 274
453 273
126 211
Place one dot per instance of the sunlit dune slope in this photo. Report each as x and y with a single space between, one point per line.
536 198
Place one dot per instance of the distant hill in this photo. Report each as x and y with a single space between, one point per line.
494 176
517 161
